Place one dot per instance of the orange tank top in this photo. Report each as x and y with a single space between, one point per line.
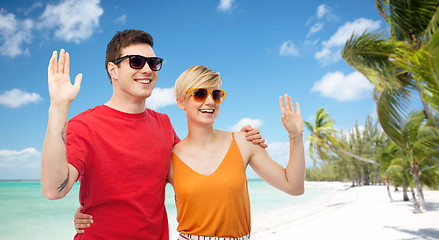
216 205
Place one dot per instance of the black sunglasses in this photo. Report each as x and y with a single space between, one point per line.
138 62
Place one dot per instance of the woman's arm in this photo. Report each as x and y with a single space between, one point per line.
290 179
82 220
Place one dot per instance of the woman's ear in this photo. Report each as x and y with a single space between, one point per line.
180 104
113 70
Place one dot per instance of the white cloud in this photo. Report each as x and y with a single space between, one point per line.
225 5
74 20
323 14
13 33
322 11
121 20
315 28
311 43
343 88
280 152
330 52
288 49
161 97
16 98
255 123
24 164
27 11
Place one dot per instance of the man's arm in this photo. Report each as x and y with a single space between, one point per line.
57 175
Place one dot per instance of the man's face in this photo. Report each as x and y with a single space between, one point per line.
133 83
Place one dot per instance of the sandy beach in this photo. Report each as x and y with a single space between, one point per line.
352 213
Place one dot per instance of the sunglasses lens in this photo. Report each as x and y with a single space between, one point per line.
200 95
218 96
155 63
137 62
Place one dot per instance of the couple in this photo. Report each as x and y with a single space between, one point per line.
120 151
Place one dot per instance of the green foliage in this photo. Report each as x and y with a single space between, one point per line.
344 159
326 172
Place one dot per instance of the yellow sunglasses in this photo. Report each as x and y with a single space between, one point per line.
201 94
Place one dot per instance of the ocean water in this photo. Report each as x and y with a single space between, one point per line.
25 214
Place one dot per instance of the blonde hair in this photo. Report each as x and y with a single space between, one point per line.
196 77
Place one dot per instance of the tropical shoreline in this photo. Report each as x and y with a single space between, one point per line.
364 212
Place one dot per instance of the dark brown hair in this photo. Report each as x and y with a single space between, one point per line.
122 40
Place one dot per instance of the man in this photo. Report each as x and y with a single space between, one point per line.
119 151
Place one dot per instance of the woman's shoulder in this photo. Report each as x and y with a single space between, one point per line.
238 136
241 140
176 148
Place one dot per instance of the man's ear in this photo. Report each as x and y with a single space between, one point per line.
113 70
180 104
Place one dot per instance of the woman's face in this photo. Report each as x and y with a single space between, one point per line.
201 112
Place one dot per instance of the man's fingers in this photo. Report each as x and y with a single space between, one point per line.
258 140
52 64
253 134
246 128
61 61
263 145
67 64
78 80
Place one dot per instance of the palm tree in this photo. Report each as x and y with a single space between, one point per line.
385 157
366 142
418 141
404 61
395 170
323 141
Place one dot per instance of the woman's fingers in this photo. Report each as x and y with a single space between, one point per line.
281 104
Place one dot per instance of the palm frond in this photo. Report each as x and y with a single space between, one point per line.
391 108
410 19
370 54
432 26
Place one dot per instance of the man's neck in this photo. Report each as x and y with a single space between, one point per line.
126 106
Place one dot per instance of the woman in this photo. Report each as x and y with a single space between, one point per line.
208 166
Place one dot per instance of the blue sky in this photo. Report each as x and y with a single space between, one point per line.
263 49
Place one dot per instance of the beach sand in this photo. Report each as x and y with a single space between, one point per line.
364 212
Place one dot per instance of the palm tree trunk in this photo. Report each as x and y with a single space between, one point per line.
415 173
350 154
388 190
414 201
405 197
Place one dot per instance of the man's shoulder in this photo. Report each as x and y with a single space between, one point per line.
85 115
155 114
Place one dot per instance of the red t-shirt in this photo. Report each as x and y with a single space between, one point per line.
123 160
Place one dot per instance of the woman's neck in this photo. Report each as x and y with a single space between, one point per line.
201 135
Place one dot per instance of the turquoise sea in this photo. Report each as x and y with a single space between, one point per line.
25 214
